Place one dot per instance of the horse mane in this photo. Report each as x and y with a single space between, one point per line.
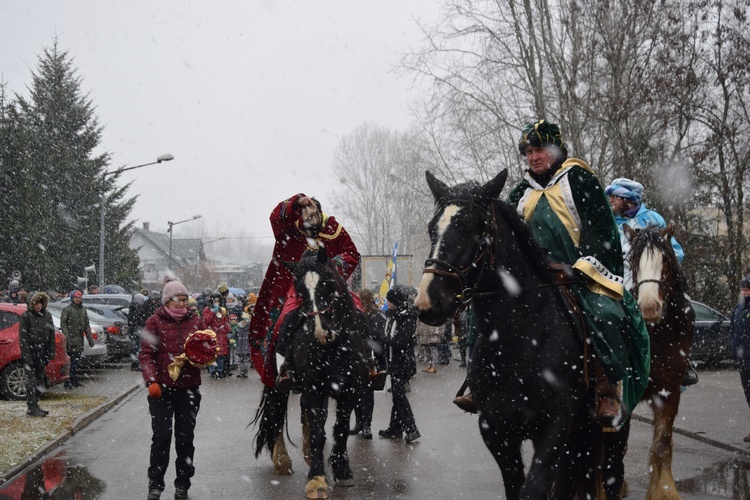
651 235
467 194
309 262
531 250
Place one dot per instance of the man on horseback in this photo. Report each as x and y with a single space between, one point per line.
298 224
563 202
626 200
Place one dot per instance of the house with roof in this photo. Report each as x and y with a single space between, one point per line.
188 257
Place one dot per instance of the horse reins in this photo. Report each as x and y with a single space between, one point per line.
451 271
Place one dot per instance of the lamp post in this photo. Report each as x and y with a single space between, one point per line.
196 216
159 159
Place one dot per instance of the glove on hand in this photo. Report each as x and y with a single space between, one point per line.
91 343
154 390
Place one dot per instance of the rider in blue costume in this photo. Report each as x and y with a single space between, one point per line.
626 200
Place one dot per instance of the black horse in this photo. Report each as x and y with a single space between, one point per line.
529 372
329 350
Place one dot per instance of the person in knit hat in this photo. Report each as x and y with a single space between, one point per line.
172 403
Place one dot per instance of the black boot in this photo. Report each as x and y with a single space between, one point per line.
607 406
366 432
356 429
35 411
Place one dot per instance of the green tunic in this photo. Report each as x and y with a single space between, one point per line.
572 220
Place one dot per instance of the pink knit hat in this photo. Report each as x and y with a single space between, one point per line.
172 289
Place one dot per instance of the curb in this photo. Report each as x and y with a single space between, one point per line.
697 436
78 425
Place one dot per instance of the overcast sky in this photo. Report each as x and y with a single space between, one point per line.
251 97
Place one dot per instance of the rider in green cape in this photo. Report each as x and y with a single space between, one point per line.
566 208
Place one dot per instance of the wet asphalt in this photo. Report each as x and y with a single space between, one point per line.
108 457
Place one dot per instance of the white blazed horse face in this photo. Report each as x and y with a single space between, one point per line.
649 277
319 297
438 230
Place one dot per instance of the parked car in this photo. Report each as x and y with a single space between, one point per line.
92 356
12 375
115 323
113 320
711 335
113 299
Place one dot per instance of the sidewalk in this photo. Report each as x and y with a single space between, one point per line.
713 411
113 381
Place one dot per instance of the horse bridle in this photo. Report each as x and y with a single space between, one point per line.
659 282
484 251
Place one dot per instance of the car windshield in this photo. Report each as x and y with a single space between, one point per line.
98 318
705 313
111 314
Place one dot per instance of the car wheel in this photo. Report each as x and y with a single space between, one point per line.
13 382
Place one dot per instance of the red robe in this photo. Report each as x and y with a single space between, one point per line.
291 243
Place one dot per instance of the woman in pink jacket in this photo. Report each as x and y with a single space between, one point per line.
171 400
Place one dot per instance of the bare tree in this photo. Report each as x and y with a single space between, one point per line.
381 191
719 147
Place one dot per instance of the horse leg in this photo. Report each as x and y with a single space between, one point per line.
661 483
282 462
315 408
306 452
579 464
505 448
613 468
339 460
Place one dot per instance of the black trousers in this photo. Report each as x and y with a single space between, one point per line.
75 360
402 418
365 407
180 406
34 382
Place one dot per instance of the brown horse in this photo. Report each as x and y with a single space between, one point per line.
659 286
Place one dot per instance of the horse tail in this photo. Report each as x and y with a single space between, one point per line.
269 418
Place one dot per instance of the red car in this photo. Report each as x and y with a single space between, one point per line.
12 377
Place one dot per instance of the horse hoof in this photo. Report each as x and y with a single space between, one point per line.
344 483
317 487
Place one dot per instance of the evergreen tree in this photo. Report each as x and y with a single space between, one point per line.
61 207
15 186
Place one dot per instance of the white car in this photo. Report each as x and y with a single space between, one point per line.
92 356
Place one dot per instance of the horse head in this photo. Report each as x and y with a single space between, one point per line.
460 234
654 266
321 288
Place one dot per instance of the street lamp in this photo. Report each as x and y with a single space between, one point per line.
196 216
159 159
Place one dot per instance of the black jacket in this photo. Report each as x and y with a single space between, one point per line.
400 328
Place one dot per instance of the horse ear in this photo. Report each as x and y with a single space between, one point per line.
628 231
438 188
493 188
322 255
668 232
